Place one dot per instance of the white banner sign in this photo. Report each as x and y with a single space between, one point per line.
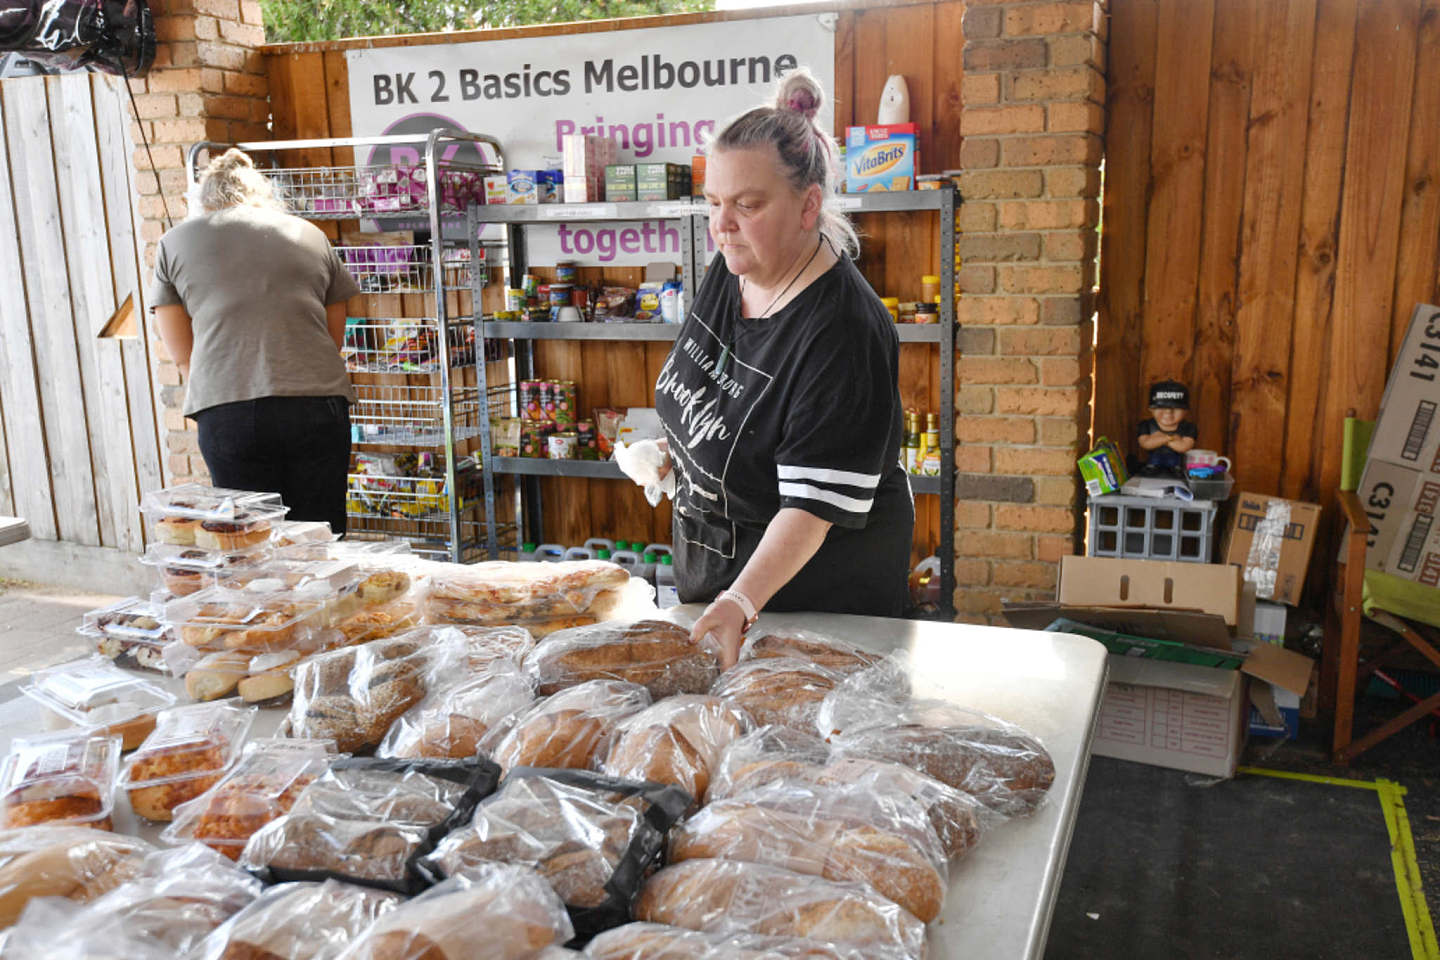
658 91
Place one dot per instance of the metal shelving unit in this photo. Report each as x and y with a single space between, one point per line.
419 398
693 213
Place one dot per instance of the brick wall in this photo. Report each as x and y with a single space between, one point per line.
1033 123
208 83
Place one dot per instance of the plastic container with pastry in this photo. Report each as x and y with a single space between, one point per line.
372 623
76 863
571 729
658 941
656 654
729 897
262 786
374 551
528 593
678 741
786 691
212 518
290 533
353 695
95 694
132 632
593 838
270 574
772 755
178 899
495 910
373 586
269 679
60 778
184 570
191 749
454 717
299 921
838 832
264 617
369 821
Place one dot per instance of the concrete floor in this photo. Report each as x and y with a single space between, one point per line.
38 623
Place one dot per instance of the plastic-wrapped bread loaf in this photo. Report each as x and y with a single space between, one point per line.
78 863
656 941
299 921
781 755
656 654
724 896
829 652
786 691
495 911
678 741
570 729
838 833
454 717
542 597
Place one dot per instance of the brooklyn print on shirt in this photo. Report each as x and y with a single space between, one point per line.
799 409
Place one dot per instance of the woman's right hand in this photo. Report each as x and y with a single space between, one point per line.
664 445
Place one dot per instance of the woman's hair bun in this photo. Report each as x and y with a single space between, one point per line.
232 159
800 91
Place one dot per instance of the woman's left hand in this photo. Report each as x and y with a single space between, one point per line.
724 621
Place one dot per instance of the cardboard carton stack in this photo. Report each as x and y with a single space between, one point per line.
1185 670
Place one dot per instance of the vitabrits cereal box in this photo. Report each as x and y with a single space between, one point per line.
882 157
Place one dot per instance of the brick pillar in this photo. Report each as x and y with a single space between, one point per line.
208 83
1033 125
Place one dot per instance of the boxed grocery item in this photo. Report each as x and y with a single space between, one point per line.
497 188
1103 469
661 181
1270 539
881 157
697 175
585 159
523 186
620 182
549 185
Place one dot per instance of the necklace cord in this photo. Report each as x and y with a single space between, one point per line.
799 273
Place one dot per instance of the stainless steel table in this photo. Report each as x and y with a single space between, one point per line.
1003 893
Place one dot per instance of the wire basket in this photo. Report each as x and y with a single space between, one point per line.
411 415
404 345
381 190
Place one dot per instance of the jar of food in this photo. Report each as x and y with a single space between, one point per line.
927 313
929 288
514 299
565 271
561 446
893 305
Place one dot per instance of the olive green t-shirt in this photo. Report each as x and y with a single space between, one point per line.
256 283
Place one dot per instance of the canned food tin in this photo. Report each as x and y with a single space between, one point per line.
530 284
586 440
514 299
559 294
561 446
533 435
530 406
566 397
545 391
565 271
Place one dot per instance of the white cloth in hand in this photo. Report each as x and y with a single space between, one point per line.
642 462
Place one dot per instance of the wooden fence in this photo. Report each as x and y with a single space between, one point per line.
309 87
77 411
1271 218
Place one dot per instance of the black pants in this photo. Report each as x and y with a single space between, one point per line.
298 447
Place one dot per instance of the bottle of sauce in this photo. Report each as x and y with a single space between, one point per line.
912 441
930 461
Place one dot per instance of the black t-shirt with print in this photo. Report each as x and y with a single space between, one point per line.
799 409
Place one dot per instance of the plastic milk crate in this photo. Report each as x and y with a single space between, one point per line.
1148 528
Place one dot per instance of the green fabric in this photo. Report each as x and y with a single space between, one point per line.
1353 453
1404 598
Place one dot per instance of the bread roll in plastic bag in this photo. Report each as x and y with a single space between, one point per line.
836 832
842 656
786 691
999 764
728 897
496 911
677 741
179 898
352 696
592 837
781 755
658 941
571 729
483 645
78 863
454 717
542 597
656 654
299 921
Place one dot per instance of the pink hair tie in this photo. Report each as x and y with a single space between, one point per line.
801 102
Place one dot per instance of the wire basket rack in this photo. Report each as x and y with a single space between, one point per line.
381 190
417 509
402 268
403 345
414 415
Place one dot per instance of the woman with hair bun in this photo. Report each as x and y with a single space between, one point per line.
250 302
780 400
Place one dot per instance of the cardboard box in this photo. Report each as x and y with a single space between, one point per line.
1268 622
881 157
550 184
1172 715
1270 540
697 175
1281 718
1151 584
1103 469
620 182
523 186
661 181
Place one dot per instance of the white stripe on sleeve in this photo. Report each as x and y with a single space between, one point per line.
867 480
807 492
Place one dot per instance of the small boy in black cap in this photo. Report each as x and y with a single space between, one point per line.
1167 435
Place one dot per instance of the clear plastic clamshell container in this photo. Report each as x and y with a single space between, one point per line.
212 518
359 551
95 693
183 569
302 576
132 633
191 749
263 785
290 533
256 620
63 778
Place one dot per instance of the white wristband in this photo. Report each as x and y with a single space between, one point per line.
743 602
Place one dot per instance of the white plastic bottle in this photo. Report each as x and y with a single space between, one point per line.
666 594
550 552
646 569
660 550
597 543
527 552
628 559
579 553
